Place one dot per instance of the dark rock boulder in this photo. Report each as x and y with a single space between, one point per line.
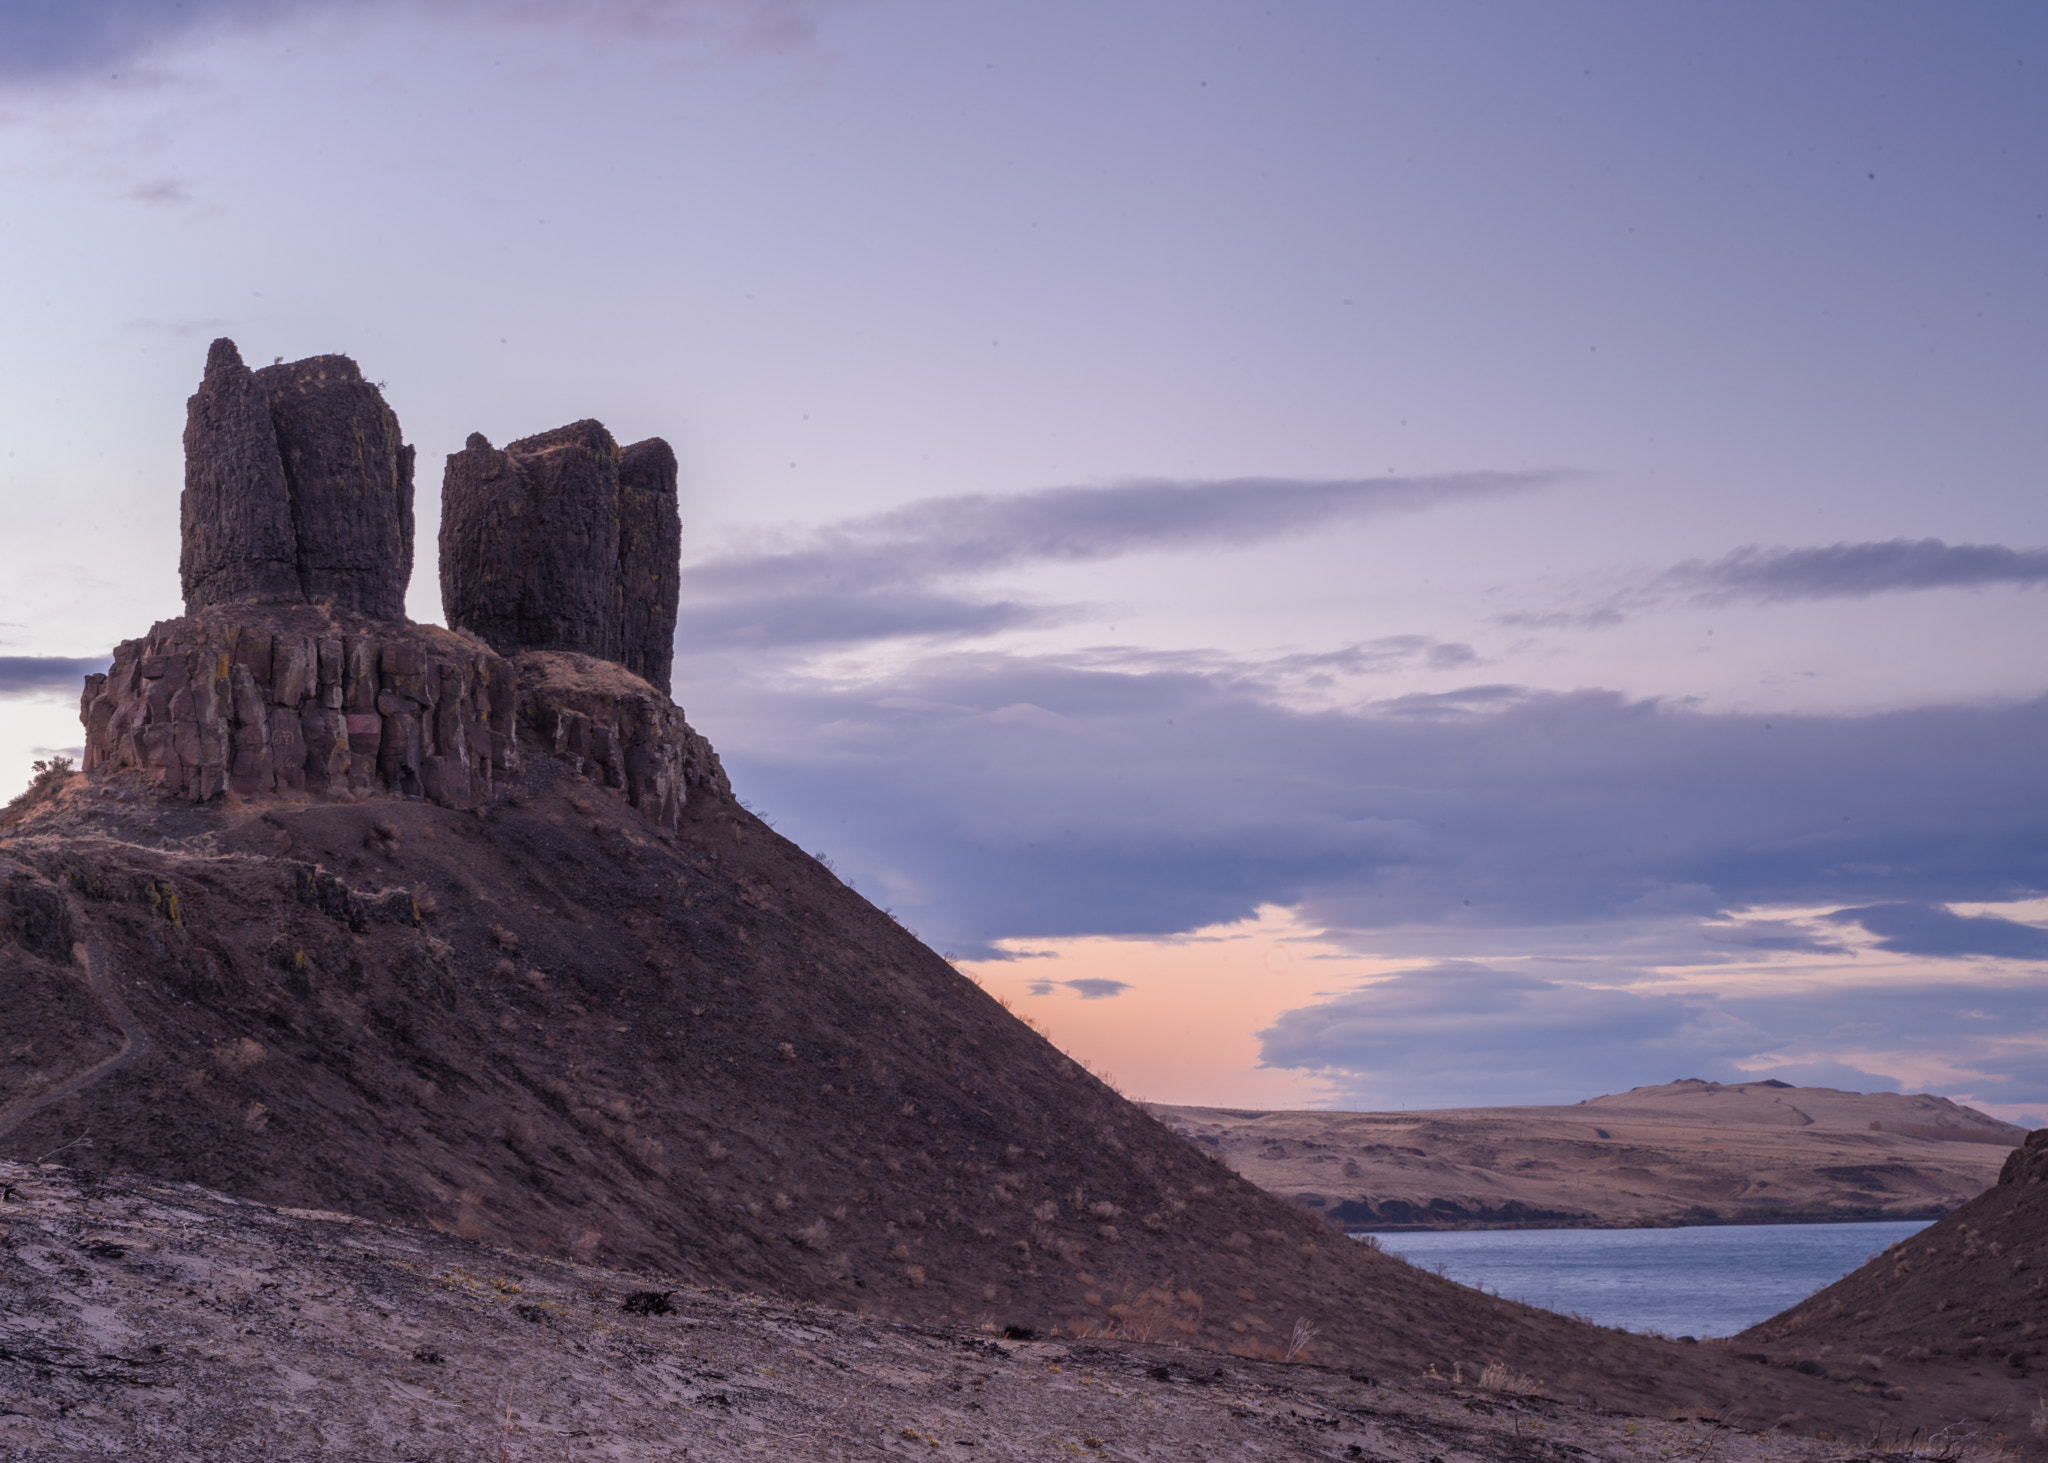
530 542
237 541
650 558
350 481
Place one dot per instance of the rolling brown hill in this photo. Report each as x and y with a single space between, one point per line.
1687 1152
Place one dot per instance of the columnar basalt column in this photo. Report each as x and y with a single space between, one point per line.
650 560
350 479
236 539
562 542
297 488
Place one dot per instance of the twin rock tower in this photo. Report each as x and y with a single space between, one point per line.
294 672
299 490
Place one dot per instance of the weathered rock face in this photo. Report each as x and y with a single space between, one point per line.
563 542
235 518
650 560
350 478
2028 1163
290 702
293 702
295 673
614 733
297 489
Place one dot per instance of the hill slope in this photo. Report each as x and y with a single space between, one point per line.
161 1320
1687 1152
549 1023
1958 1312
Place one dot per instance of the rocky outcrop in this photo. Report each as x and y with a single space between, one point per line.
563 542
650 560
235 518
295 702
295 673
298 489
2028 1163
611 731
350 478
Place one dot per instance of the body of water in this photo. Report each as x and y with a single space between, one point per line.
1712 1280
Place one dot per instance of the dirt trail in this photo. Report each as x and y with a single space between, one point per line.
135 1042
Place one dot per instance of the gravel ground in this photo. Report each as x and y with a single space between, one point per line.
144 1319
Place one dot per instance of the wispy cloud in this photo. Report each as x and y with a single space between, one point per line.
874 576
22 674
81 38
1759 575
1856 571
1466 1032
1088 987
1931 929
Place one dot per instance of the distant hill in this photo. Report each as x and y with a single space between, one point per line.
1688 1152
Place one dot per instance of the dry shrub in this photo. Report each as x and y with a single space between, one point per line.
50 775
785 1052
504 939
1238 1241
1047 1212
1499 1377
783 1203
915 1275
1301 1338
240 1054
901 1252
713 1152
813 1235
504 969
1104 1210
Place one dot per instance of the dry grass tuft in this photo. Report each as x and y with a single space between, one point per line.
1499 1377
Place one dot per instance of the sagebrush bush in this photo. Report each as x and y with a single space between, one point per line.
47 776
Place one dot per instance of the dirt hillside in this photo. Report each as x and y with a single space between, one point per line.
1959 1309
164 1321
1688 1152
547 1024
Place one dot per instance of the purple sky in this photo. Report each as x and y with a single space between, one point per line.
1545 498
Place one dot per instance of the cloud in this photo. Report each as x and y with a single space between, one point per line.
1162 797
1778 576
24 674
1090 987
1465 1032
871 577
83 38
1930 929
162 192
1856 571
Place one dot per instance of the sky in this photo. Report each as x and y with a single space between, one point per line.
1331 554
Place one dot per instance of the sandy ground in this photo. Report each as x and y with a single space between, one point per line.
1685 1152
145 1319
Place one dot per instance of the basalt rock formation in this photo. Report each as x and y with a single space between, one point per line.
298 489
294 672
563 541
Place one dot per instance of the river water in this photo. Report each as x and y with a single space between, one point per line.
1710 1280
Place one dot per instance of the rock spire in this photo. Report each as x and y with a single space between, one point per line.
563 541
298 489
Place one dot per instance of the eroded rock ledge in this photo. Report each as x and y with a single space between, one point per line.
305 701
